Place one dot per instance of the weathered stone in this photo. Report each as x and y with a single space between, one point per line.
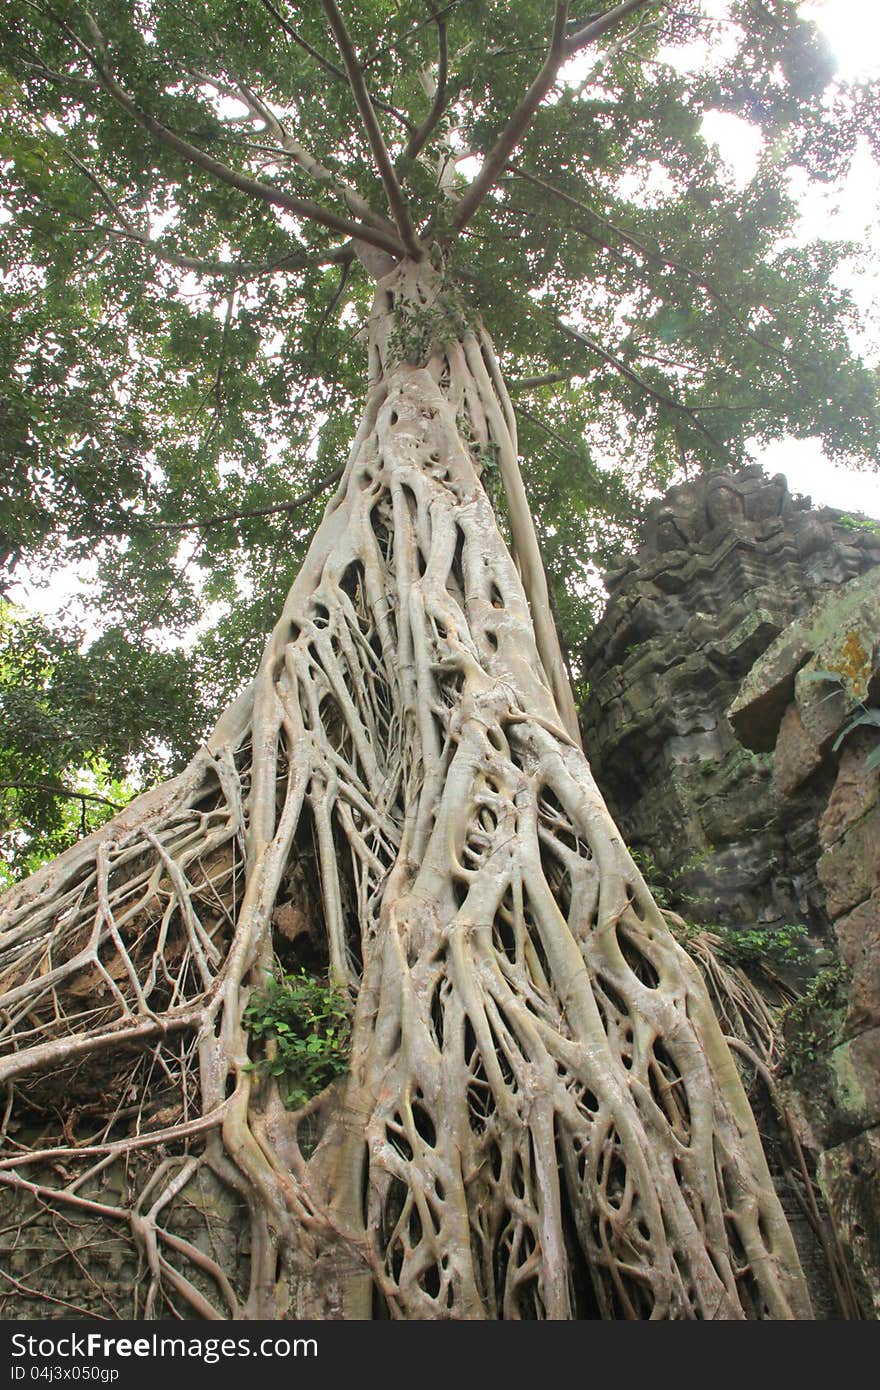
747 640
795 756
855 1065
855 792
767 498
834 1091
859 936
89 1267
724 502
727 562
852 649
850 869
824 707
849 1176
839 632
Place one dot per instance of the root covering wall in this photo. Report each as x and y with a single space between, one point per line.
542 1117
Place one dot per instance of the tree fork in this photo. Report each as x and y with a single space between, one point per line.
535 1059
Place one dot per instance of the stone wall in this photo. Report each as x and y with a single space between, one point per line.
823 674
726 563
71 1259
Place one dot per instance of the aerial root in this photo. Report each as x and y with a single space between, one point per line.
542 1118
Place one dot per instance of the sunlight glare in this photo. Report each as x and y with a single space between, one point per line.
852 28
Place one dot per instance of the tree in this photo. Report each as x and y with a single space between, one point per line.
540 1115
71 747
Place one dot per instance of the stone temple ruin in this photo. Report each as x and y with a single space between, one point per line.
739 771
729 724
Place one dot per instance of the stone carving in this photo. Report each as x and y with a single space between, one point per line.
726 563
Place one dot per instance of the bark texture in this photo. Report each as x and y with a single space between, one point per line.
542 1118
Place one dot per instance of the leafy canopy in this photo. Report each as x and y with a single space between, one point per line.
79 733
188 189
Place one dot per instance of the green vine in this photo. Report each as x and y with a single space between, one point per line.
305 1026
421 330
811 1024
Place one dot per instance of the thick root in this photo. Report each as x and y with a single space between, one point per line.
542 1117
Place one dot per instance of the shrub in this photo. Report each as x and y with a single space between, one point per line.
306 1026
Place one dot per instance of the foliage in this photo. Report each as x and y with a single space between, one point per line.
750 948
667 887
812 1023
183 364
657 879
422 330
366 769
81 728
305 1026
762 946
864 718
861 715
859 523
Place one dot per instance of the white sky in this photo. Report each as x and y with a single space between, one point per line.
850 212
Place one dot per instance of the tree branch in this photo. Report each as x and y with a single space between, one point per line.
597 27
531 383
61 791
300 155
217 389
420 137
662 397
659 258
244 270
393 191
296 37
223 172
516 127
204 523
560 49
563 443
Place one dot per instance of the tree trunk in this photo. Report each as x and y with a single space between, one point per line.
542 1118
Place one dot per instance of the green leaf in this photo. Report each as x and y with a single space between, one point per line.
820 675
864 717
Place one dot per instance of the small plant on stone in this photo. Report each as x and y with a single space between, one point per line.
811 1024
764 949
305 1026
863 716
656 878
859 523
